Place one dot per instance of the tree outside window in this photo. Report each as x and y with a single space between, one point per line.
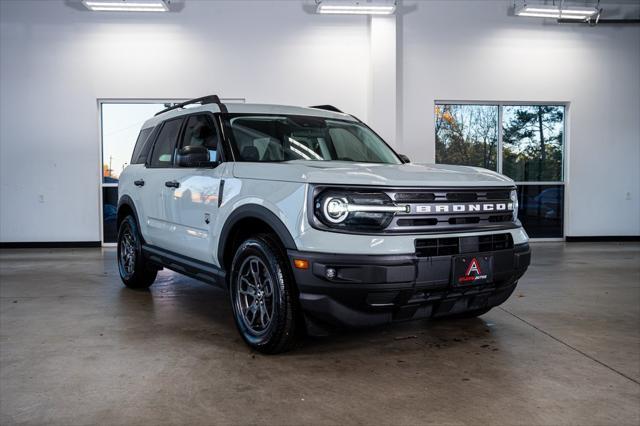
533 142
532 148
467 135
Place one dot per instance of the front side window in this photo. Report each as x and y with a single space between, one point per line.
165 145
201 131
270 138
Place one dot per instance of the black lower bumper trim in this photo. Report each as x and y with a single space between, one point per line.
362 290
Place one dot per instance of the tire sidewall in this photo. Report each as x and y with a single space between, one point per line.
260 248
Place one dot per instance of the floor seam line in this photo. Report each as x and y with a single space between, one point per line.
570 347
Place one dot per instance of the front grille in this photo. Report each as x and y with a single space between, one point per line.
495 242
455 209
433 247
437 247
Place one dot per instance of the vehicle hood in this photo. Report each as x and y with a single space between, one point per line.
349 173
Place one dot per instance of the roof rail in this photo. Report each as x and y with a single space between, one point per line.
327 108
211 99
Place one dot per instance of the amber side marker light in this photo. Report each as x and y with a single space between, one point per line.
301 263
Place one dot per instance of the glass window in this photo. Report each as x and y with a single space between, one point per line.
467 135
165 145
109 213
201 131
541 210
286 138
141 150
533 142
532 148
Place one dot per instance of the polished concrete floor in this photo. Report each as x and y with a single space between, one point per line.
78 348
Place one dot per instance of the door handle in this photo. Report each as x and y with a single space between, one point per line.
138 182
172 184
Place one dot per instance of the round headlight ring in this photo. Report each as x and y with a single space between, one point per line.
335 209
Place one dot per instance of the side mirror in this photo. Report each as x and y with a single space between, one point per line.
404 158
194 156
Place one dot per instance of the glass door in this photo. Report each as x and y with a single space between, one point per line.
120 122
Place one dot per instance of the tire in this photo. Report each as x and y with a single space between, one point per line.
264 296
135 271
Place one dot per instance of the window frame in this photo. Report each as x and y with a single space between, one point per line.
500 160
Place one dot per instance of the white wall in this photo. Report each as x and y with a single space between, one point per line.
55 61
473 50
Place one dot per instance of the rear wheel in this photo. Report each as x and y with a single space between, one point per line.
264 296
135 271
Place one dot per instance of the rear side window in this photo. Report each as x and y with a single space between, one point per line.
201 131
165 145
141 150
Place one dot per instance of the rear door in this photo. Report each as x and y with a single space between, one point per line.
157 174
192 203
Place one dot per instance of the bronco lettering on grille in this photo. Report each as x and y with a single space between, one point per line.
461 208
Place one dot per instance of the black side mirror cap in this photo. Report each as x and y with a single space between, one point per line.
195 156
404 158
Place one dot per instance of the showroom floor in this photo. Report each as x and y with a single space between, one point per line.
78 348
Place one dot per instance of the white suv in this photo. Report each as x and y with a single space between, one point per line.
312 221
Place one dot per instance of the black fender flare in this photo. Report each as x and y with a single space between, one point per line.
125 200
254 211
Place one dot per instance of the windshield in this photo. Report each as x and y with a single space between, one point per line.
295 137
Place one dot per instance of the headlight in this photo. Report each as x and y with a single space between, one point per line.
514 203
335 209
353 210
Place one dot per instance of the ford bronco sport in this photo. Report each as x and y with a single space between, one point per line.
311 221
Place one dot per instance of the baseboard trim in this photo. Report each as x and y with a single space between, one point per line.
49 244
603 239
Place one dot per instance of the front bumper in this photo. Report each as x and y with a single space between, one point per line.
377 289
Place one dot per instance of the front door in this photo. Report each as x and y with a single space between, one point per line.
191 204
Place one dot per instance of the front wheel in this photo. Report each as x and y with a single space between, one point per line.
135 271
264 297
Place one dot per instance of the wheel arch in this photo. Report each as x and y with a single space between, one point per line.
127 207
246 220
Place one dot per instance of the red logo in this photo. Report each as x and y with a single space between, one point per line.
473 268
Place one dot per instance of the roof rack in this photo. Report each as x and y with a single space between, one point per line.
327 108
211 99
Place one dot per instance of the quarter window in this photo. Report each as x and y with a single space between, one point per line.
164 149
141 150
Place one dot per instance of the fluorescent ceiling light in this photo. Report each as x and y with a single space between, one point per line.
356 8
554 12
126 6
